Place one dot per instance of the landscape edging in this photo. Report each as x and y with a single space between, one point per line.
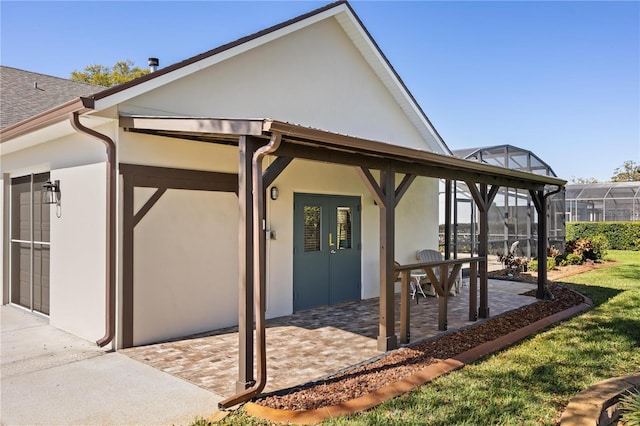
410 383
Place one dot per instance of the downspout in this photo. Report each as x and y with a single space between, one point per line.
258 278
110 277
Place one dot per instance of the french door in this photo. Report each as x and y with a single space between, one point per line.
30 243
327 250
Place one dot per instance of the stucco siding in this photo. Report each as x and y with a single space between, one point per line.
135 148
314 77
186 264
77 275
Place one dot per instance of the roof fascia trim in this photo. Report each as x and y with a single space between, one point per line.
251 127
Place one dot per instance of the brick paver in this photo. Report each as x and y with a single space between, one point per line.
311 344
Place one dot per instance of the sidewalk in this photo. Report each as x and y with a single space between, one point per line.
50 377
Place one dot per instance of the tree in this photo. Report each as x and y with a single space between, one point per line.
102 75
628 172
581 180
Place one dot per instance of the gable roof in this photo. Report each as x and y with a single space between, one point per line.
341 11
26 94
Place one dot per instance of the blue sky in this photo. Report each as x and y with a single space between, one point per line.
561 79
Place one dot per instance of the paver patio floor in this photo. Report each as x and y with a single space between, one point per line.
314 343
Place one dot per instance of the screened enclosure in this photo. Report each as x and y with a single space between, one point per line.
513 217
603 202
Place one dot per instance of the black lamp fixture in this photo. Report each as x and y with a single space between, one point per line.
51 192
274 193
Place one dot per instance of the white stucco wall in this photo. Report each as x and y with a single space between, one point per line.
77 264
185 264
314 77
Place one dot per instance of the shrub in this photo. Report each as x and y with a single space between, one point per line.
620 235
600 246
574 259
630 408
551 263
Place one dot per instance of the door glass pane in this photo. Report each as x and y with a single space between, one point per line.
312 229
344 228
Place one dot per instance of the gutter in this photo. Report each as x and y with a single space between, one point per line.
110 277
258 278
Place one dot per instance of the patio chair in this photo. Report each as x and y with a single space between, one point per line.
435 256
415 287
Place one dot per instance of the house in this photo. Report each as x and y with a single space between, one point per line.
290 167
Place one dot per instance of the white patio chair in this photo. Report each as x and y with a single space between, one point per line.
428 255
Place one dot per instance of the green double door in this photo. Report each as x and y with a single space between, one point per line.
327 250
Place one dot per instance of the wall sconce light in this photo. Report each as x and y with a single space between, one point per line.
51 192
274 193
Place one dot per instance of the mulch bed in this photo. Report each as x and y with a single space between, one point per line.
397 365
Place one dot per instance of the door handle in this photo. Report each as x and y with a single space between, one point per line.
330 239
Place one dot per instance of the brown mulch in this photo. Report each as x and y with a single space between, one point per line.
397 365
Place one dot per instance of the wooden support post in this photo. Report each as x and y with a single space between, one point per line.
247 147
483 198
483 251
540 202
443 300
473 291
447 219
387 339
405 309
127 260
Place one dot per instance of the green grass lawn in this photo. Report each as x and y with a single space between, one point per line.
532 382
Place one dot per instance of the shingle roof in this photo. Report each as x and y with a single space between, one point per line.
24 94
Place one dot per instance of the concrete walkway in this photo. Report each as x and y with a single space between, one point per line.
50 377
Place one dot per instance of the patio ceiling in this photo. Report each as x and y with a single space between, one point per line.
319 145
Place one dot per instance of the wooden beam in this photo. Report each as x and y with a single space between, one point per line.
448 192
377 162
148 205
247 146
371 184
387 339
405 309
540 202
127 261
403 187
274 170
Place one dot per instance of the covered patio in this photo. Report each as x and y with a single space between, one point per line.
258 138
312 344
